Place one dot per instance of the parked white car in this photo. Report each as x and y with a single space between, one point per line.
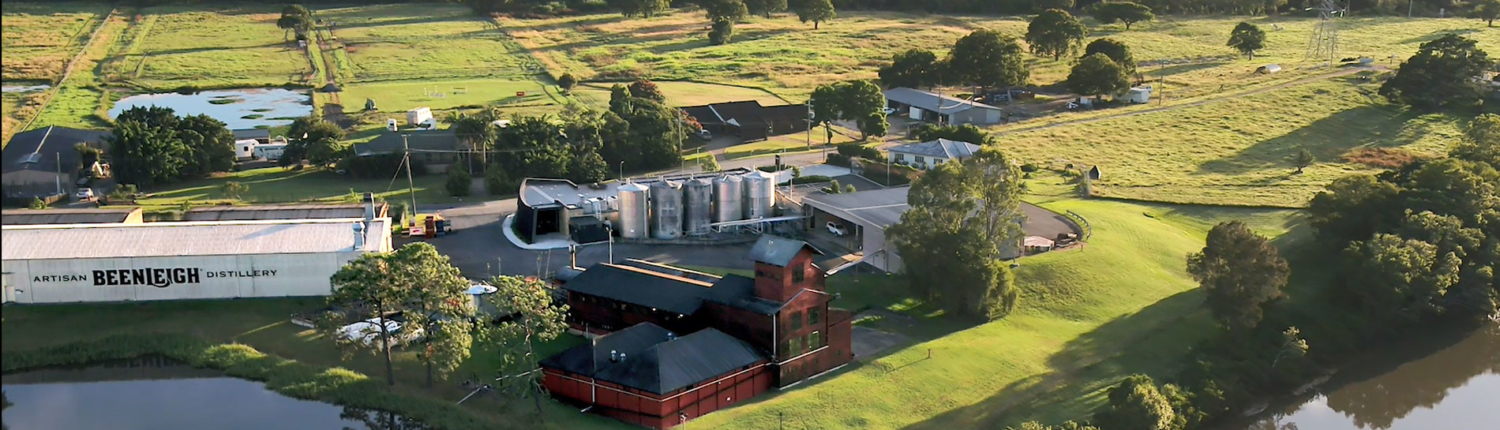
836 229
368 332
85 194
889 111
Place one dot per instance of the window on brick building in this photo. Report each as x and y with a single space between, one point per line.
796 320
797 275
794 346
812 316
814 340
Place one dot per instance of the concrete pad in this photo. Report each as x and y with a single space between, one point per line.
870 343
544 244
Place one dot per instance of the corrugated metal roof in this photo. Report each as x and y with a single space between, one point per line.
659 289
944 148
929 101
593 357
186 238
777 251
286 212
66 216
874 208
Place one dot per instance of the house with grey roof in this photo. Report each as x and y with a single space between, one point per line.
925 106
44 161
925 155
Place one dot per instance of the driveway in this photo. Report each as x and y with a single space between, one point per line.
1045 223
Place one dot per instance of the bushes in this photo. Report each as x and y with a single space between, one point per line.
458 182
856 150
497 182
840 160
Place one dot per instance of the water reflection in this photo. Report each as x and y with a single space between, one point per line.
1428 383
239 109
153 394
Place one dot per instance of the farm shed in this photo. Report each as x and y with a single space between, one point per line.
71 216
42 162
920 105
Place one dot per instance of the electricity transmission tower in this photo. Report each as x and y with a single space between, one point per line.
1324 43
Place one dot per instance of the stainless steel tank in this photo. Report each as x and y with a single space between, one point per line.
760 194
635 209
699 202
666 210
729 193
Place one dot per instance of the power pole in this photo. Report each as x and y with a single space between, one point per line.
59 171
411 187
809 123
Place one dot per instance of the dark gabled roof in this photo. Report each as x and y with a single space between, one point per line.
778 251
675 364
251 133
784 113
592 357
660 287
640 287
66 216
942 148
741 113
390 142
703 114
40 149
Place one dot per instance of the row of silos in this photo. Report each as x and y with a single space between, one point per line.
668 209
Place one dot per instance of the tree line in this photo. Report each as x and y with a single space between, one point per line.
150 146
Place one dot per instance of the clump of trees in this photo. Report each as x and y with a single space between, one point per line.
1116 50
315 140
912 68
723 14
963 133
1239 272
295 18
1098 75
986 59
860 101
1443 73
152 146
963 220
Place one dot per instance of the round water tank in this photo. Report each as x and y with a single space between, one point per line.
699 203
634 211
760 194
729 193
666 210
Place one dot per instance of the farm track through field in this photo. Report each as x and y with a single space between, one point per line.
67 70
1204 101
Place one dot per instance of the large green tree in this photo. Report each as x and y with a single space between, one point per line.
815 11
1055 33
1097 75
1247 38
1115 50
860 101
1445 72
1239 272
295 18
370 293
641 8
963 220
766 7
437 303
210 146
537 320
642 132
987 59
1127 12
1400 280
963 133
1487 10
1481 142
312 138
912 68
725 10
145 155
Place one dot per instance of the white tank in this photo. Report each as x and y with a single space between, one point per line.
760 194
699 202
634 211
729 192
666 210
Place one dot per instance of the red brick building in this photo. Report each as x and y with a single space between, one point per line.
724 339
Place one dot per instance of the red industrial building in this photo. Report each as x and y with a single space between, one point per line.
670 344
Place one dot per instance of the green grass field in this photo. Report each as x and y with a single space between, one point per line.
789 58
39 39
681 93
1236 152
173 46
278 185
400 96
424 41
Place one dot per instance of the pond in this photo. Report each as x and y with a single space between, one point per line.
150 394
1433 383
239 109
23 88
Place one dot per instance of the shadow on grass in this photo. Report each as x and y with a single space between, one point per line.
1150 341
1179 69
1328 139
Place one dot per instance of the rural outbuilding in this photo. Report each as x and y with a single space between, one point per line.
42 162
926 155
71 216
921 105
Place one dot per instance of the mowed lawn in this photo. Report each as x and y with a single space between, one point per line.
1237 151
39 39
400 96
172 46
790 58
278 185
1123 304
424 41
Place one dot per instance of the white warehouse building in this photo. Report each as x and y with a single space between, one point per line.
183 260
